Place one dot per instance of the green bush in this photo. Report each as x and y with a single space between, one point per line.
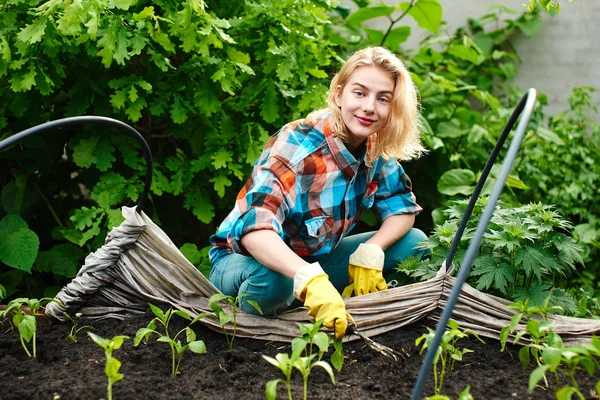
525 254
205 82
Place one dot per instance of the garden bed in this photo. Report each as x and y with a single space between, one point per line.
66 370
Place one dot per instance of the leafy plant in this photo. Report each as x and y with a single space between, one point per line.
548 350
447 353
177 348
205 82
559 359
536 330
24 314
111 369
75 329
224 318
309 335
524 254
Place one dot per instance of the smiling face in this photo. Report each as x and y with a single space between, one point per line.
365 102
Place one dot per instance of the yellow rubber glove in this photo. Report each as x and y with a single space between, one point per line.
365 269
312 286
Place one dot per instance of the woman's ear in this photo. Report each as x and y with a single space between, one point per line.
338 95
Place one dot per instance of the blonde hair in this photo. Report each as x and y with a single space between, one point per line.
400 136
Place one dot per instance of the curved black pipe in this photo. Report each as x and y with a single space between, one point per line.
113 123
526 106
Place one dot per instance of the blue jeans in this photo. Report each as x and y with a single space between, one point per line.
236 274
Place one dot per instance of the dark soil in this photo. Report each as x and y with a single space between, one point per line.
66 370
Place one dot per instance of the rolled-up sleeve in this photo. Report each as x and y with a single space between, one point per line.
394 194
263 205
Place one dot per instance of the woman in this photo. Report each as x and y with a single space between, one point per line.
287 234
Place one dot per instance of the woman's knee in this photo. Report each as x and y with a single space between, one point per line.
272 292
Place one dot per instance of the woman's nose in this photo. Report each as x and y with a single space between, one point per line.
369 104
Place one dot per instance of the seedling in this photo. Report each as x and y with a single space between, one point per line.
26 322
72 336
224 318
303 345
536 330
557 358
111 369
310 334
447 352
177 348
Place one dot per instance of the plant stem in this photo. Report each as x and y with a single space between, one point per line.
289 388
305 387
172 359
34 343
109 390
393 21
25 347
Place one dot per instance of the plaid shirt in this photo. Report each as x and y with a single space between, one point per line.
308 188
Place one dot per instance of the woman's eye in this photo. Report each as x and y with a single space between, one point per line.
384 100
358 93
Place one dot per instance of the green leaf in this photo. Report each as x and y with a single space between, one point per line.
18 244
366 13
427 14
24 80
397 36
549 136
221 159
529 27
198 347
190 251
456 181
62 259
83 152
552 357
566 392
536 376
271 388
27 327
85 217
33 33
270 105
11 224
534 258
220 182
111 369
466 53
449 130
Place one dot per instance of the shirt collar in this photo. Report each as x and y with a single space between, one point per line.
345 159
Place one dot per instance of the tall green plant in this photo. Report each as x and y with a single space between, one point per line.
205 82
526 252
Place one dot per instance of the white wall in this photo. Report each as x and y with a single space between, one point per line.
565 53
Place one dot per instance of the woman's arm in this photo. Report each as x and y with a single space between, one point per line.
267 247
392 229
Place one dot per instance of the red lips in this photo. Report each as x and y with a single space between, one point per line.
365 121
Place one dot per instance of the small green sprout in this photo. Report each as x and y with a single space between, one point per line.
224 318
447 352
302 345
72 336
26 322
111 369
177 348
538 331
310 334
557 358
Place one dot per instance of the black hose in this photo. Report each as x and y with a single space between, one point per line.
526 106
113 123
